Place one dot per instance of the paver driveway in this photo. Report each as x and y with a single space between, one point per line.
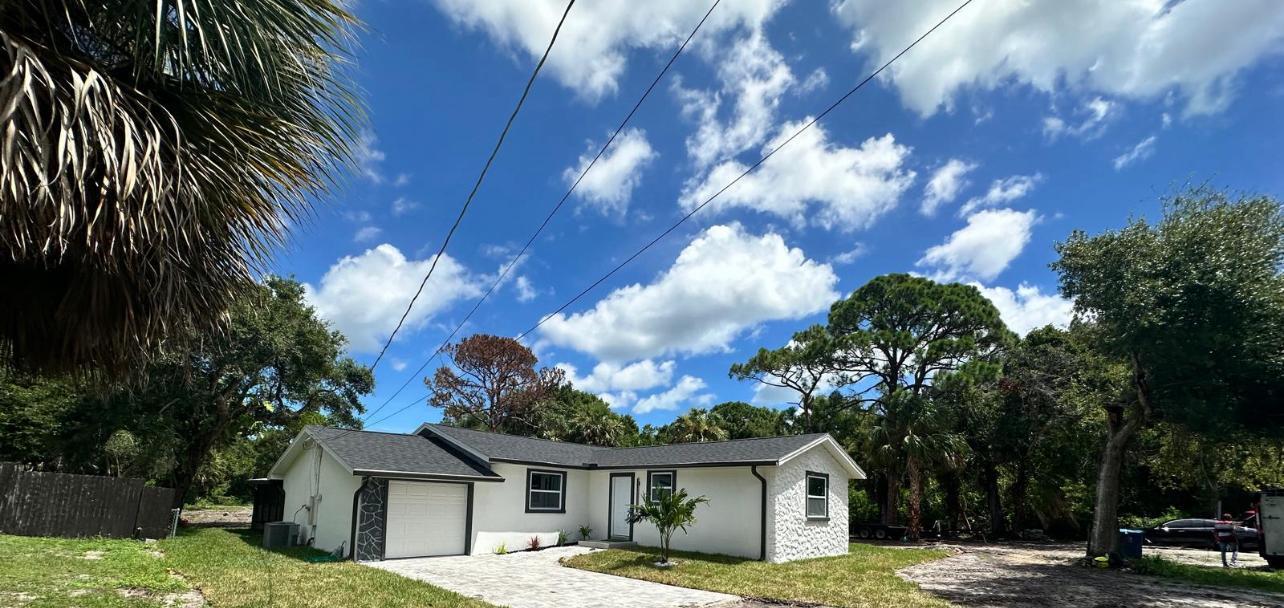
534 579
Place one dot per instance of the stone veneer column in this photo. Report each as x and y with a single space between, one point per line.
372 517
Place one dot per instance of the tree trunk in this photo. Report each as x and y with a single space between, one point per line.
201 440
915 498
993 499
1104 538
951 484
1017 496
891 499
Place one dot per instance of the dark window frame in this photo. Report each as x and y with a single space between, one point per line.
673 481
561 494
807 496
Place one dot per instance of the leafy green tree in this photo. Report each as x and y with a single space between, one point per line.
668 513
742 420
1194 305
805 366
274 362
153 156
697 425
576 416
921 437
895 335
34 415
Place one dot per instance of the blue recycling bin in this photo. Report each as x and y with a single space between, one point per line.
1130 543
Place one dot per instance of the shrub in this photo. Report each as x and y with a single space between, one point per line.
561 537
501 549
585 531
533 543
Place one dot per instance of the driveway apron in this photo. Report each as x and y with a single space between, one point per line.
535 579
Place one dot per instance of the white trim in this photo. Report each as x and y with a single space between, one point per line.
452 441
834 449
412 474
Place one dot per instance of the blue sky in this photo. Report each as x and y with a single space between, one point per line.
1011 126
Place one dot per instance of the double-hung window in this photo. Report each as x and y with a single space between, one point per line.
660 484
817 495
545 491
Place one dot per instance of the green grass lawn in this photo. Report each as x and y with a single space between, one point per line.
866 576
1263 580
227 566
56 572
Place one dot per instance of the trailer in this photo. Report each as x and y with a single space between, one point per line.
876 531
1270 528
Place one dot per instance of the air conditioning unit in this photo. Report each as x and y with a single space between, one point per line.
280 534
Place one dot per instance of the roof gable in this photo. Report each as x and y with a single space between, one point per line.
371 452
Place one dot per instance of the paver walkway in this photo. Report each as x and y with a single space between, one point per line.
535 579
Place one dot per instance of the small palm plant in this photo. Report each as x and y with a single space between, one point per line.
669 513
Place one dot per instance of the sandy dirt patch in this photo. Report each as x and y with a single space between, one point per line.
1035 576
227 517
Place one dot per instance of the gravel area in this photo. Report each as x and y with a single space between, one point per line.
1030 576
227 517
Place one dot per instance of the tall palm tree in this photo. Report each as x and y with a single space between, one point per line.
915 433
152 154
697 425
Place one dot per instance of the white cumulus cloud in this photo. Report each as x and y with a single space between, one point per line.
1002 191
813 180
1096 113
608 377
593 47
1028 307
1137 49
946 183
363 296
608 186
687 392
983 248
724 282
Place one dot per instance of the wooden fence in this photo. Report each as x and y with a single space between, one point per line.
34 503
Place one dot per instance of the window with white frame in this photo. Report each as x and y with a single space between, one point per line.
817 495
545 491
660 484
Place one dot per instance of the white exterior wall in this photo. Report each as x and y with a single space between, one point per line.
499 510
727 524
790 535
330 524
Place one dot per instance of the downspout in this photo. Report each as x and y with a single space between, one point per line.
356 498
762 532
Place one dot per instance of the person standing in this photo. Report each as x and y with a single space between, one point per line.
1226 541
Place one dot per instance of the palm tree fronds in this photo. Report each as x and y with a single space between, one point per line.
152 155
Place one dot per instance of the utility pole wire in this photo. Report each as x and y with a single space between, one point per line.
512 263
702 205
476 186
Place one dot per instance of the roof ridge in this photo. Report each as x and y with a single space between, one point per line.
630 447
343 430
554 441
669 445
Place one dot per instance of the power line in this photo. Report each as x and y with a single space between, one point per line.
512 263
747 171
733 182
476 185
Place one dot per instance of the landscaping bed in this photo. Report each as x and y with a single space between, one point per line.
866 576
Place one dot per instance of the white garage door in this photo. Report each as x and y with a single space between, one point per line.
426 518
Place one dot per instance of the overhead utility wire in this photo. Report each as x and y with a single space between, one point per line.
512 263
476 186
702 205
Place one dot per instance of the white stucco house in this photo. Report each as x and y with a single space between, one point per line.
448 491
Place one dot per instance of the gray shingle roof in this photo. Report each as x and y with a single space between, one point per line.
526 449
426 454
760 450
367 451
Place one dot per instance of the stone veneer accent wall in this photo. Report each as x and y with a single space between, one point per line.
372 517
790 535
